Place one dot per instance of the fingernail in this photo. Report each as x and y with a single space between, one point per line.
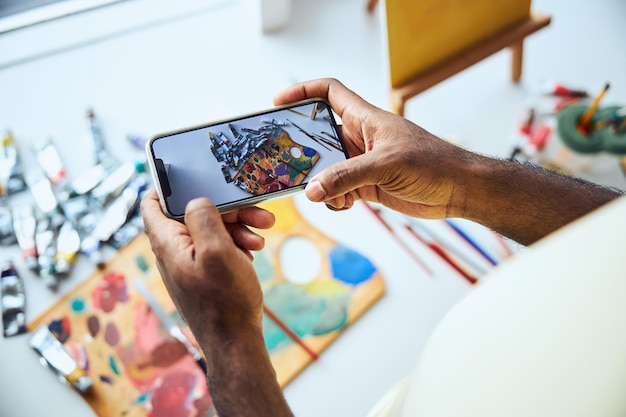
315 191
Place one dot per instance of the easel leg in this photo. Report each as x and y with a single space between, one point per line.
397 104
517 56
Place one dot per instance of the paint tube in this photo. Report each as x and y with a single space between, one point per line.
13 301
92 248
68 245
133 228
101 154
46 250
7 234
45 198
118 212
114 183
83 183
11 177
24 224
54 355
50 161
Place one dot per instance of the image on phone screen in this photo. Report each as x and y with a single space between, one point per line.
246 160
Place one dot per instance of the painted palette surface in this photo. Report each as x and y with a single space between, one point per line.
313 286
279 164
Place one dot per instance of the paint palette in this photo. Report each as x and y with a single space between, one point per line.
314 287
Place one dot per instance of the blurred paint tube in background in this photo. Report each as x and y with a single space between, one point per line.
68 245
24 224
58 359
49 160
46 252
13 301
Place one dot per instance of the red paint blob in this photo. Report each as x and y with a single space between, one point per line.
167 353
110 291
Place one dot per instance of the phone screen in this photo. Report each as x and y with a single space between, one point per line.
247 160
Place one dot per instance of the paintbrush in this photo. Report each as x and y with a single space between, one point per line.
289 332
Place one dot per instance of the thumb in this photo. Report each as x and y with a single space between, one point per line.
341 178
204 224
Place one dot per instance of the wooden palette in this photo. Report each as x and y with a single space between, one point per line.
138 369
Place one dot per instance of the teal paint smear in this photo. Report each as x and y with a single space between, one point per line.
303 312
78 305
113 365
142 398
142 263
263 266
349 266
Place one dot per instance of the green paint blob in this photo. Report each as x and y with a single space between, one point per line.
142 263
78 305
263 266
303 312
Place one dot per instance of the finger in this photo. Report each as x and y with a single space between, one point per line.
205 225
341 178
245 238
156 224
256 217
337 94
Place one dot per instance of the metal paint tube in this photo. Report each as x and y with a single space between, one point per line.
46 200
117 213
13 301
11 177
114 183
46 249
50 161
92 248
7 234
24 224
54 355
89 179
101 154
68 245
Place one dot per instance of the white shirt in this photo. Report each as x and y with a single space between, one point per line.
543 335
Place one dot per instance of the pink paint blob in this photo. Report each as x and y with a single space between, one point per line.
110 290
172 397
112 334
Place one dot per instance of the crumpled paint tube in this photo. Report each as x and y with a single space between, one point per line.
83 183
13 301
113 218
11 176
45 240
7 234
68 245
114 183
49 160
46 200
54 355
25 224
101 153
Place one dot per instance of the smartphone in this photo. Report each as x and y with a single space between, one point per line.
245 160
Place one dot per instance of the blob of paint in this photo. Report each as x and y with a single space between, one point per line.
142 263
263 266
93 325
303 312
61 328
113 365
78 305
111 334
350 266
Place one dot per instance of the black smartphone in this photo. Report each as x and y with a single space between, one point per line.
245 160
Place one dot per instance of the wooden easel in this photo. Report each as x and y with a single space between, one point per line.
410 77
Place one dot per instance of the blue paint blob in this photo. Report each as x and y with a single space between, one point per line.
106 379
78 305
142 398
310 152
349 266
